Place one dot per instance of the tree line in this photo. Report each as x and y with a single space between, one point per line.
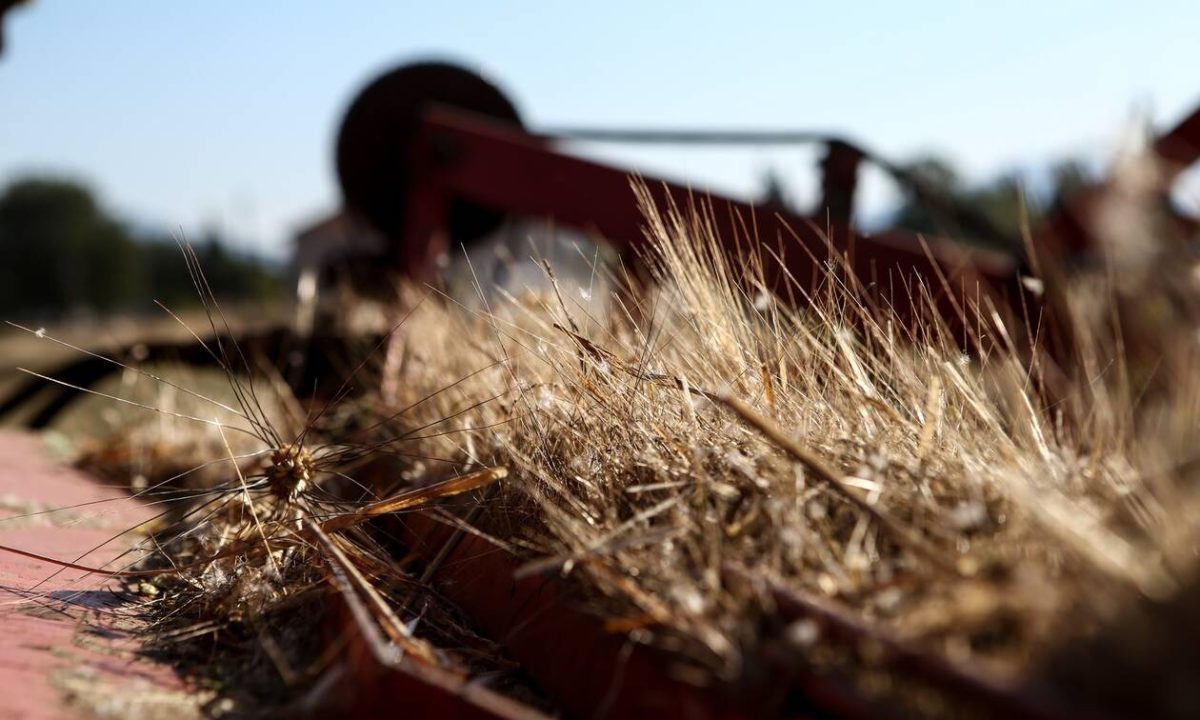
61 252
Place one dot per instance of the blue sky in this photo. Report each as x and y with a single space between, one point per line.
223 112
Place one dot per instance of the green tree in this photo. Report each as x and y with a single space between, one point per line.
989 213
60 251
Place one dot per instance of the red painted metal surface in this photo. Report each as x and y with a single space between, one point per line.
985 694
1179 147
593 672
1071 231
457 155
366 687
589 671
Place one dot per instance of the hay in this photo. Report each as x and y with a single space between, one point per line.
995 506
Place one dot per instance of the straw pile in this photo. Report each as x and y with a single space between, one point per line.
702 440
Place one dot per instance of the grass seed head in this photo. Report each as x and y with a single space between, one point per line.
290 472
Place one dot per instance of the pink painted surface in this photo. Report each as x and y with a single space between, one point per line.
70 630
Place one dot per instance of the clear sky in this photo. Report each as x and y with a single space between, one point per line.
223 112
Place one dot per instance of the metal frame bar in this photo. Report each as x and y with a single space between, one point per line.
460 156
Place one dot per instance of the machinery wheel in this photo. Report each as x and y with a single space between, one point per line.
378 132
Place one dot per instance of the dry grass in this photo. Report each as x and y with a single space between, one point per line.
996 506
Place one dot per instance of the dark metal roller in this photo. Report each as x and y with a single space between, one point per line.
378 133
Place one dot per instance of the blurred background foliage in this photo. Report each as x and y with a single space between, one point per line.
1005 201
62 252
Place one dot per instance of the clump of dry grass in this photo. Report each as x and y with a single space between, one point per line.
995 506
261 525
703 442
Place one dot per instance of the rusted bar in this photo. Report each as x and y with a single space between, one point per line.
1070 231
1179 147
983 692
366 687
458 155
587 670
